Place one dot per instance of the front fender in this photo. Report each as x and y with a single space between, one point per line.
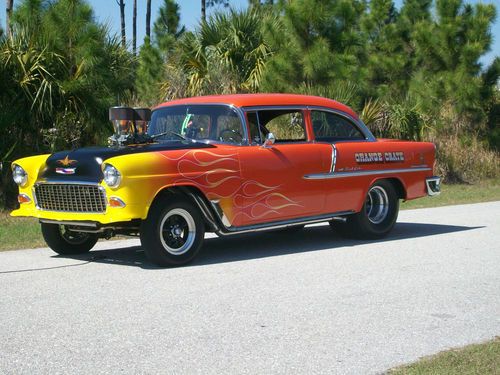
33 165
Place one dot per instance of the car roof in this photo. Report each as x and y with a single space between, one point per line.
253 100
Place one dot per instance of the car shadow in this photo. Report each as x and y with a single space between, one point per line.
267 244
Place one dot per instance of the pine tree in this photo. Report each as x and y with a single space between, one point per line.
316 48
385 57
448 51
149 74
167 28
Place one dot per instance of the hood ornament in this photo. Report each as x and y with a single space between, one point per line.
66 161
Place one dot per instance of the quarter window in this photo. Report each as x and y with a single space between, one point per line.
329 127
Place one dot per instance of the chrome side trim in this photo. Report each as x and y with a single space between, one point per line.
334 158
324 176
433 185
283 224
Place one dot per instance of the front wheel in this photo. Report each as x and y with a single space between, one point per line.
377 217
67 242
173 233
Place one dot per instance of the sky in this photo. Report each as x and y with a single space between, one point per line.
108 11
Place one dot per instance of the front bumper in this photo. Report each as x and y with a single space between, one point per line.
433 185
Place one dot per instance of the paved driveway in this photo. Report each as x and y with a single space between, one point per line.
269 303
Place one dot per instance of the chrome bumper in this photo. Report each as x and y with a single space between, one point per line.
433 185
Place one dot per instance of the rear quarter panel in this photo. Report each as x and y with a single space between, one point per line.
408 162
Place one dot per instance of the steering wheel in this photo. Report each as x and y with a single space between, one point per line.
234 137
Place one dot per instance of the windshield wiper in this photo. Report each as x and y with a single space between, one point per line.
183 137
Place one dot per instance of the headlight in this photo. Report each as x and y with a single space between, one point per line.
111 175
19 175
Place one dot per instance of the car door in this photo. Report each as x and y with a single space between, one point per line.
344 135
274 187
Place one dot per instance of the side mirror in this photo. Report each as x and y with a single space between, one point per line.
270 139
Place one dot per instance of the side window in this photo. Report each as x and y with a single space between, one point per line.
330 127
286 125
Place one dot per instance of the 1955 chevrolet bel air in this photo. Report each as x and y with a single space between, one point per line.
224 164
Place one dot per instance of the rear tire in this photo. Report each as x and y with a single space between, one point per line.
377 216
67 242
173 233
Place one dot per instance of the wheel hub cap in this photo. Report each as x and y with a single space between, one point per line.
377 205
177 231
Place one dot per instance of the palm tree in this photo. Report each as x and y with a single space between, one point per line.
9 5
121 3
134 28
228 54
148 19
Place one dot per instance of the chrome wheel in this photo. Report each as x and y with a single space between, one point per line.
178 231
377 205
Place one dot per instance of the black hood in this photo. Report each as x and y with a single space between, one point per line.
84 164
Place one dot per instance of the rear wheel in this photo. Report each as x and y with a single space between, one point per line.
173 233
67 242
377 217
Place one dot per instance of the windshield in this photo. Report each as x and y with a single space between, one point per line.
218 123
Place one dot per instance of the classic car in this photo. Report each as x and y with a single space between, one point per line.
226 164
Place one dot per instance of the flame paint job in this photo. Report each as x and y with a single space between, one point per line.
251 184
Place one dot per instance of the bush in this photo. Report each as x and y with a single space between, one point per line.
465 160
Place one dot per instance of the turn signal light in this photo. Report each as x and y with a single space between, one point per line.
23 198
116 202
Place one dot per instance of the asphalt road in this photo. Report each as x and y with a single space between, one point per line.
268 303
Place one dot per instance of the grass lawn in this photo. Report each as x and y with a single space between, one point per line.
19 233
480 359
485 191
22 233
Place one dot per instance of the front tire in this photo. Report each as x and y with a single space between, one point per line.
377 217
173 233
67 242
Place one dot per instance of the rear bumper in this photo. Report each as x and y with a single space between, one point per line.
433 185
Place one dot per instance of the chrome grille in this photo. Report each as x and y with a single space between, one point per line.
70 197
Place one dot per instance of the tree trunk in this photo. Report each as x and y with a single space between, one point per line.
148 19
203 10
134 29
121 3
9 5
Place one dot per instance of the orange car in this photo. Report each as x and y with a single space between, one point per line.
224 164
